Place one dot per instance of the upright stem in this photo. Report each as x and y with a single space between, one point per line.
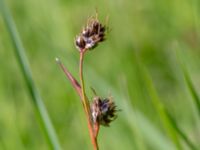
39 106
86 104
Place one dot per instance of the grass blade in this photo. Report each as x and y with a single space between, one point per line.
23 62
160 108
191 88
167 120
140 144
195 96
181 133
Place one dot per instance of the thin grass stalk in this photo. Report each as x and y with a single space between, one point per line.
195 96
181 133
86 104
139 139
159 107
167 119
161 111
192 90
39 106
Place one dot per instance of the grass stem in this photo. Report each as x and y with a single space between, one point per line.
39 106
86 104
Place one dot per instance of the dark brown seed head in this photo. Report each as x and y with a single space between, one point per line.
91 35
80 43
103 111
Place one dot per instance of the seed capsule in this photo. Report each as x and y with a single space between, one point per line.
103 111
91 35
80 43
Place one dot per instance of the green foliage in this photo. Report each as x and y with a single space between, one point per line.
23 62
158 95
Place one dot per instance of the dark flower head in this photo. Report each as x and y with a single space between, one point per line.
80 42
103 111
91 35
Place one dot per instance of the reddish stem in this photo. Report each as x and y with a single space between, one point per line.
80 89
87 105
96 129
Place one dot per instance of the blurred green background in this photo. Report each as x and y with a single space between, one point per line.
157 34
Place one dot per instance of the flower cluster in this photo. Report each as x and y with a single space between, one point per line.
91 35
103 111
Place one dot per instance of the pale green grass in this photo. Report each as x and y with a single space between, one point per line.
40 109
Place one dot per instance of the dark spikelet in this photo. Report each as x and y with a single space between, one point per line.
91 35
103 111
80 42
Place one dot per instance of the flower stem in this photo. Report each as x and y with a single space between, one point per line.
86 104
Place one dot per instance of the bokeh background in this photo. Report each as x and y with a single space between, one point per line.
160 35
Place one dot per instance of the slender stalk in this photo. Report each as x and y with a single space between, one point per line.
188 80
158 105
190 85
21 57
168 121
86 105
181 133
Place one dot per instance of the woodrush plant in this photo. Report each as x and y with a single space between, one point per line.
101 111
